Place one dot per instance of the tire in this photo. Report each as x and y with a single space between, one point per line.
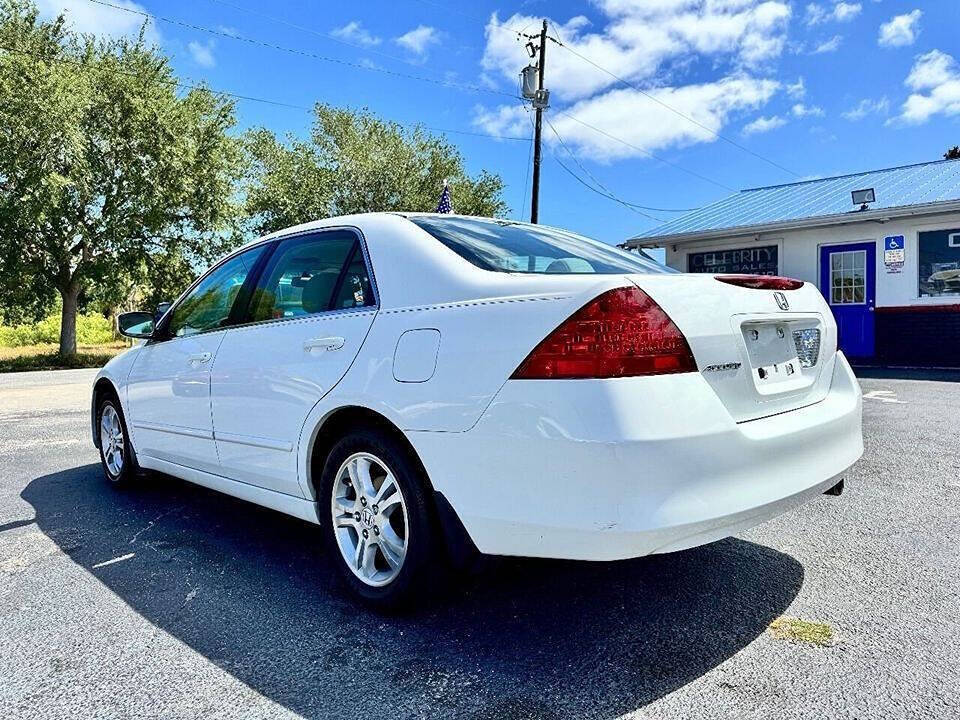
361 533
116 453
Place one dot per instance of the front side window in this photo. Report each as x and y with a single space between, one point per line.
313 274
506 246
939 256
207 306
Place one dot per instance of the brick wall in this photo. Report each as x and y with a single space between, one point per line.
922 336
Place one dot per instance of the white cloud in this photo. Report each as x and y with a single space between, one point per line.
935 81
504 120
800 110
901 30
86 17
418 40
840 12
649 126
639 38
867 107
845 12
796 90
763 125
354 32
202 54
829 46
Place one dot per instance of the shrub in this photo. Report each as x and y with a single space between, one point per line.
92 329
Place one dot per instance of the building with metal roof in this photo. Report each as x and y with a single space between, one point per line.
883 246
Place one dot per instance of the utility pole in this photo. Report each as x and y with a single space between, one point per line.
539 105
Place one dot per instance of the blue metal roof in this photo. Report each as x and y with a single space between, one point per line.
898 187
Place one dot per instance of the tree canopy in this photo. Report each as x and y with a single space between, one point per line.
355 162
953 153
102 162
118 181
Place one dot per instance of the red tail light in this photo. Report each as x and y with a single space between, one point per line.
621 333
761 282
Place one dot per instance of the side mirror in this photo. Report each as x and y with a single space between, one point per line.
160 312
136 324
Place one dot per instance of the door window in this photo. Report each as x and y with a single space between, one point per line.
207 306
311 275
848 277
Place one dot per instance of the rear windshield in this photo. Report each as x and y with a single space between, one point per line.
506 246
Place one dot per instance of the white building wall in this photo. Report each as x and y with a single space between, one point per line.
799 253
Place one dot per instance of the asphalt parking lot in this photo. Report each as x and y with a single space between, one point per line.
172 601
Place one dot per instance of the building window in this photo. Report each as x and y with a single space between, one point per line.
939 254
848 277
754 260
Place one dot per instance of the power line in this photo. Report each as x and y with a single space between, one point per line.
646 94
604 191
313 31
678 112
238 96
604 187
646 152
302 53
600 192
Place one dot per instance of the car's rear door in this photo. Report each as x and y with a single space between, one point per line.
311 310
168 388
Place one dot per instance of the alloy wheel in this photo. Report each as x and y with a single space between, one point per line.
111 440
370 519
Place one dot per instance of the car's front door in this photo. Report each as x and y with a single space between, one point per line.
848 282
168 389
306 321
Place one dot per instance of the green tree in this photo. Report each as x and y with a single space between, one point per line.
355 162
103 164
953 153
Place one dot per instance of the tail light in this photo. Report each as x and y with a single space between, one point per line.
761 282
621 333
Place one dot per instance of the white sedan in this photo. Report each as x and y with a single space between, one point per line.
426 386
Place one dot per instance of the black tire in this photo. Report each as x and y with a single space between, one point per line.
128 470
424 561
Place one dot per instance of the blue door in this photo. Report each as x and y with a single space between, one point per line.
848 281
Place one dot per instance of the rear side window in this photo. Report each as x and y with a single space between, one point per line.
312 274
506 246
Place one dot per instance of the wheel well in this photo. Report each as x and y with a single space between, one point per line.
338 423
101 389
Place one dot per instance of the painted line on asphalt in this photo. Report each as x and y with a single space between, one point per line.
115 560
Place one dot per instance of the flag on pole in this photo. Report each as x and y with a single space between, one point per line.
444 206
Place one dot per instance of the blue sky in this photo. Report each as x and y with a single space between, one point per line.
798 89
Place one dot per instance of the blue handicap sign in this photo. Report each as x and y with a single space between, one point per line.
893 242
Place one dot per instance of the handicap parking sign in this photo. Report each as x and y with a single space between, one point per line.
893 253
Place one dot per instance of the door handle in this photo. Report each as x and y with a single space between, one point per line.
200 358
325 343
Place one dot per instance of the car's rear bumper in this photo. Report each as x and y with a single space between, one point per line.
611 469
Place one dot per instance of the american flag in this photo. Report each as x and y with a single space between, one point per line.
444 206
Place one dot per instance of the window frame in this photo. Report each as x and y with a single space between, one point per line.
855 254
942 298
162 331
244 318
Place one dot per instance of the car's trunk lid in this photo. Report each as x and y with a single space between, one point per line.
762 351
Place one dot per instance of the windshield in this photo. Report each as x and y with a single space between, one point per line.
505 246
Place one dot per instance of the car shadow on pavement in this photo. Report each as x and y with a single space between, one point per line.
250 590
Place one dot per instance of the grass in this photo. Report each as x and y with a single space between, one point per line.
47 357
804 631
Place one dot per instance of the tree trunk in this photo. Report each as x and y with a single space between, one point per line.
68 319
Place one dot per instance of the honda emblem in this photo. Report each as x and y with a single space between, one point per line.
781 299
